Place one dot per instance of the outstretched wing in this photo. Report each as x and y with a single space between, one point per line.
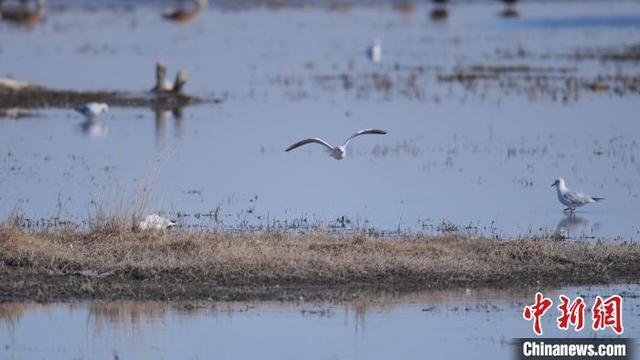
309 141
82 109
92 109
365 132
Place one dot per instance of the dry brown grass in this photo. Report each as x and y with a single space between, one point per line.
185 264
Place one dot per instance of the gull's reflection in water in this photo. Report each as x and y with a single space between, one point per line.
576 227
439 14
439 11
162 113
509 12
94 129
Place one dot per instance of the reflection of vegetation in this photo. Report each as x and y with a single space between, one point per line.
121 315
162 112
138 319
11 313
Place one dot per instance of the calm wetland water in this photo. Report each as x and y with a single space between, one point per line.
444 324
478 156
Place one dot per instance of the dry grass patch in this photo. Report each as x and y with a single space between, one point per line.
175 258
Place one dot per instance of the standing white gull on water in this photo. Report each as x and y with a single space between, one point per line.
572 199
337 152
375 51
92 109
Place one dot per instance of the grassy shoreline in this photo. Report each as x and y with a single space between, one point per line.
180 265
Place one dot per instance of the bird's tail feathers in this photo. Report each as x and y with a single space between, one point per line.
596 199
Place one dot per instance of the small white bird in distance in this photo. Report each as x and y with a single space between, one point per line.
156 222
92 109
572 199
375 51
337 152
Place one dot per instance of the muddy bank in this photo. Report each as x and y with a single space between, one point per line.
21 95
64 265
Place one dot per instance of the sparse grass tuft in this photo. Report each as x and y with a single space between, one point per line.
120 217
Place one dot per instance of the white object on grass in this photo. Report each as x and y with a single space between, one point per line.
156 222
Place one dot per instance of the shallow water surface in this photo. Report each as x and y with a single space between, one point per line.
439 324
473 157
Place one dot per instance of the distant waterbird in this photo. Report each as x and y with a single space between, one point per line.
336 152
156 222
22 13
375 51
164 86
185 14
570 198
92 109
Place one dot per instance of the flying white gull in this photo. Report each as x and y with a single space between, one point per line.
337 152
375 51
572 199
92 109
156 222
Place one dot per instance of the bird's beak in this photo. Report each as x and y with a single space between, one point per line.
554 184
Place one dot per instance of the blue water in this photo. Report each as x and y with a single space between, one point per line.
480 158
440 324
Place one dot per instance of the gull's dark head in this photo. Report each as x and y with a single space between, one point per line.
557 182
